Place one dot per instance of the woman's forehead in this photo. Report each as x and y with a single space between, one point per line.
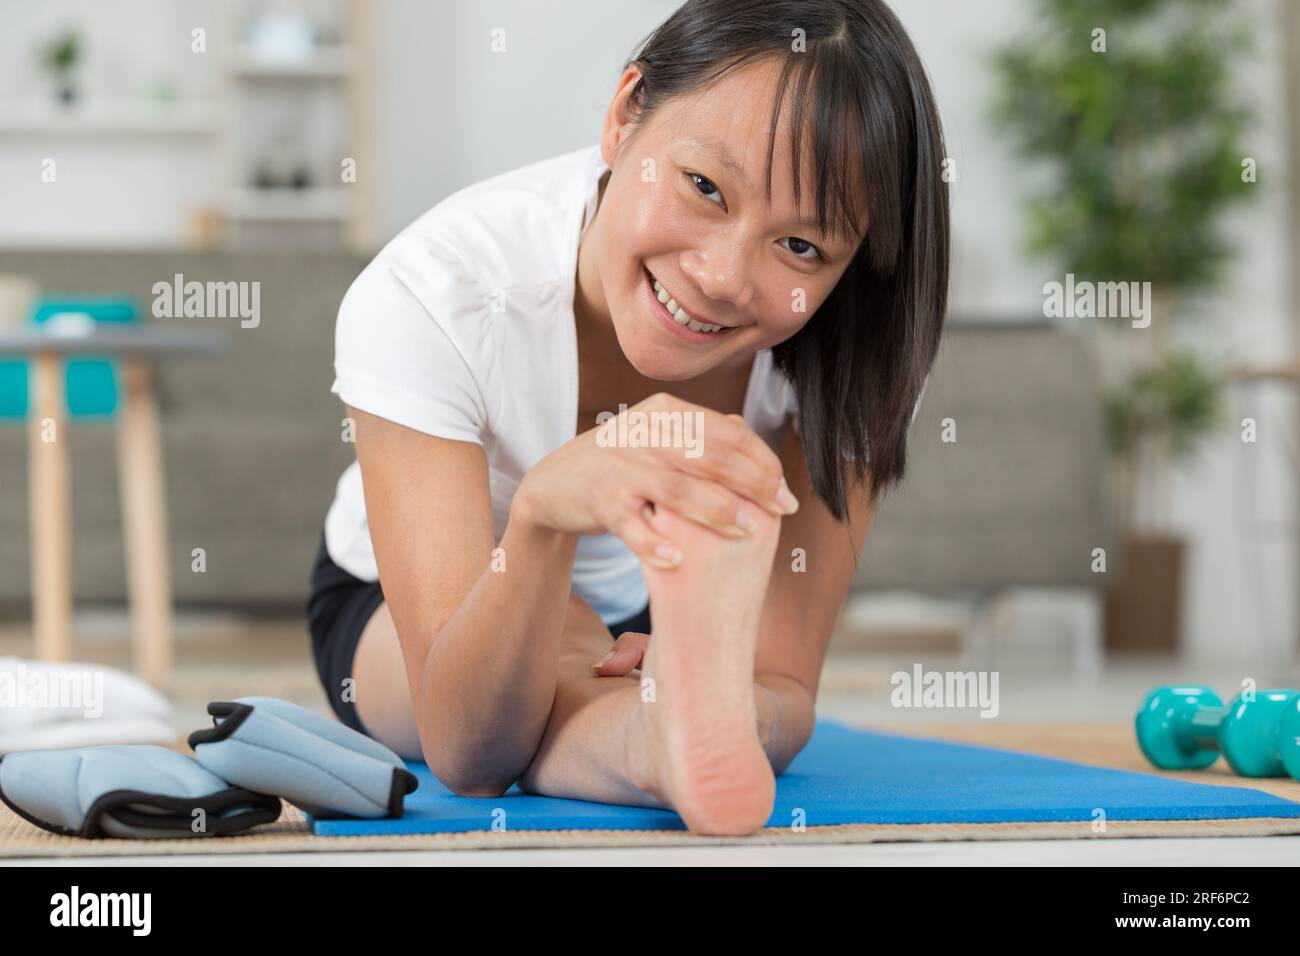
741 149
734 121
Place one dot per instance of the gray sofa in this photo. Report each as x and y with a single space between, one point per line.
1003 522
1020 496
252 449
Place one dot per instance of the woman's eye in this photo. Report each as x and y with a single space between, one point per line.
800 247
796 241
696 178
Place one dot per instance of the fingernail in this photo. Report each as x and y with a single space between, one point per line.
669 554
746 521
602 662
785 499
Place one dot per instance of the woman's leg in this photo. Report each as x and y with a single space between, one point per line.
689 731
383 700
383 697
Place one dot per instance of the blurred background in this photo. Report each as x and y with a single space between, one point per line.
1095 503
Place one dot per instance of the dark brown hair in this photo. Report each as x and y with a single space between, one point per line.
860 363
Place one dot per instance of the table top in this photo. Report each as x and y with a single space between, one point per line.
109 339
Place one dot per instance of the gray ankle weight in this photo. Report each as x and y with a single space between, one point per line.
127 790
325 768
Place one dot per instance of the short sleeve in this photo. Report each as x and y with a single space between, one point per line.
403 343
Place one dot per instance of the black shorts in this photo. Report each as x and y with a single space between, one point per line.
338 610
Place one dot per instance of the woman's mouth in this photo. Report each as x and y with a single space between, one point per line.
677 319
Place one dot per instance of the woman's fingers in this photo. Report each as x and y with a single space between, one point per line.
627 655
726 487
703 501
725 450
744 462
635 531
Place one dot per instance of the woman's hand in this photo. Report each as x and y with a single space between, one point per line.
593 484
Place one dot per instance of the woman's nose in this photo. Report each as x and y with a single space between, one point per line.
722 275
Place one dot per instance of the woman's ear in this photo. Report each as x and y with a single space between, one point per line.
619 123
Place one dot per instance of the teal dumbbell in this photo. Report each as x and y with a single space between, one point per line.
1186 727
1288 743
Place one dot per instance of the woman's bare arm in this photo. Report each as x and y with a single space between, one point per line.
803 601
480 645
480 631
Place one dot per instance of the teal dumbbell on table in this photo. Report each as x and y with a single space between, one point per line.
1187 726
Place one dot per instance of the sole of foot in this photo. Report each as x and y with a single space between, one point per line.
697 718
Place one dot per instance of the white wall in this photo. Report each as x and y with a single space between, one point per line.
451 112
133 45
109 189
1237 502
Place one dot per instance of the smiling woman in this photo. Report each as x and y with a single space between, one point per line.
842 113
757 245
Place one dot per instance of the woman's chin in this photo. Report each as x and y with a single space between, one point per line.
663 363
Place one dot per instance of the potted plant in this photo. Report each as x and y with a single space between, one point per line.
61 56
1126 108
1159 415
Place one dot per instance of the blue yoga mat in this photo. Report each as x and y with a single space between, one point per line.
856 776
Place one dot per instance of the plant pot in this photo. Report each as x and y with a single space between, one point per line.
67 91
1144 607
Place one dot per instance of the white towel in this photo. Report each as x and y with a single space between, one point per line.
55 706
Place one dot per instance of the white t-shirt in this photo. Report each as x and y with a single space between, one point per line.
463 328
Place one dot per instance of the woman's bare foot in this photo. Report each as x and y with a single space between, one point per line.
693 737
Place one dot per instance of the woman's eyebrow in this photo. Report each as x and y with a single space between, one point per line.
722 154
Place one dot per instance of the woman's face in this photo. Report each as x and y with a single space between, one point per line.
684 206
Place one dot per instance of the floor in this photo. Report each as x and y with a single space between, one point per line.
1242 851
223 656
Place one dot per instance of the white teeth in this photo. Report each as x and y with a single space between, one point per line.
680 315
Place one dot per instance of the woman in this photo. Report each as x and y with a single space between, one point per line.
499 354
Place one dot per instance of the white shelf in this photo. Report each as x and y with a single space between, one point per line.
324 63
110 118
288 205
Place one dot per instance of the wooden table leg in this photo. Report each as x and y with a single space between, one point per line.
49 501
144 522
